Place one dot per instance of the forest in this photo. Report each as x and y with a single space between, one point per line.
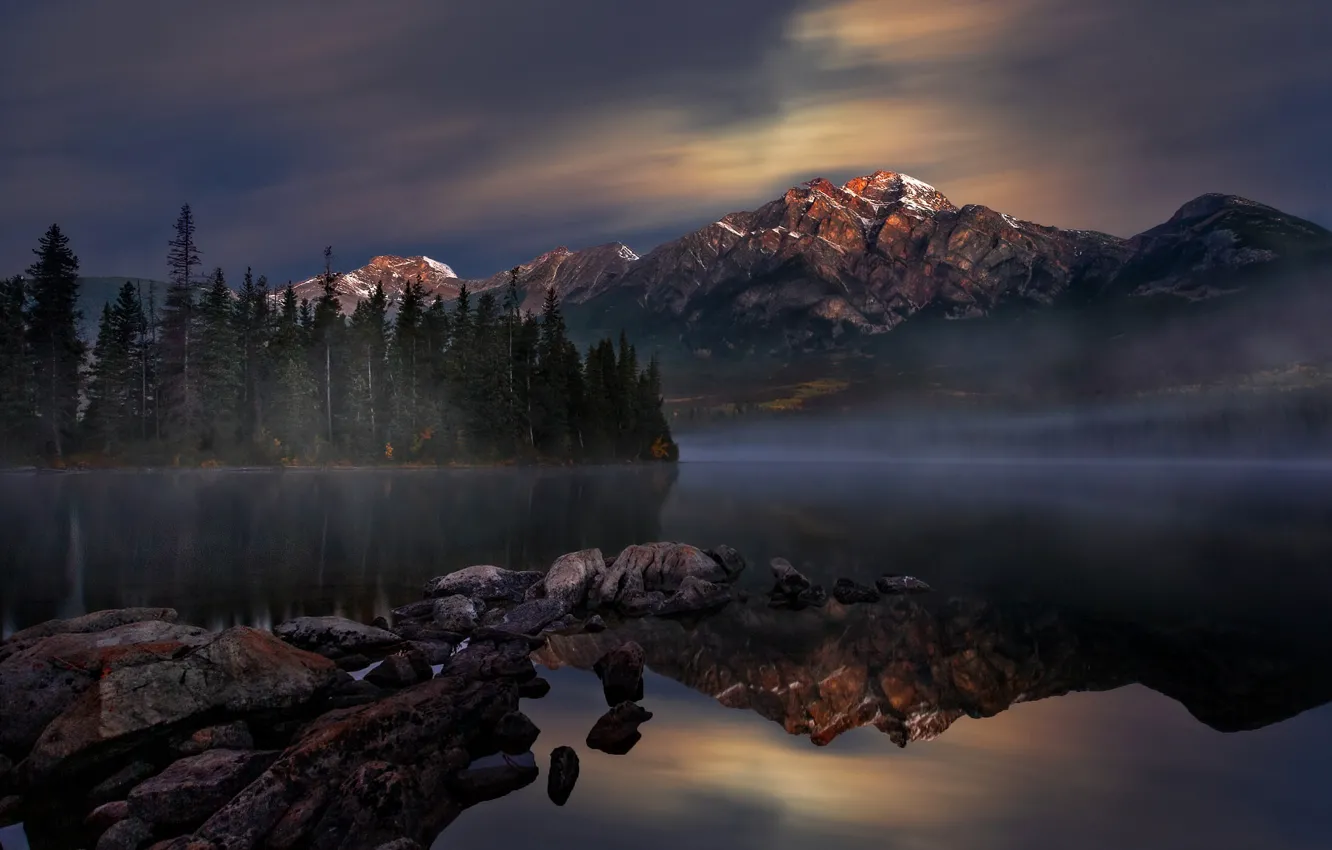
204 374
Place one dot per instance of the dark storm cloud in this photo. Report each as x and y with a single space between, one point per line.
484 133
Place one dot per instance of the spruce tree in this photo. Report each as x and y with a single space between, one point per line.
53 342
180 400
411 367
368 385
552 422
252 326
220 377
114 416
16 402
294 399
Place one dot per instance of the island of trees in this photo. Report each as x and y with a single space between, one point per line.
216 376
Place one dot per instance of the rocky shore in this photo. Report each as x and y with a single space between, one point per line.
128 729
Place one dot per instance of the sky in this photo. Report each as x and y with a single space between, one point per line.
483 134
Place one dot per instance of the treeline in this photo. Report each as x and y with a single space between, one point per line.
251 376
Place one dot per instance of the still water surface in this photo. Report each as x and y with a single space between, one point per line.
1134 655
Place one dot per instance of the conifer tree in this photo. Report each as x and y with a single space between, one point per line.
115 389
180 399
219 376
294 403
369 386
53 342
252 326
15 371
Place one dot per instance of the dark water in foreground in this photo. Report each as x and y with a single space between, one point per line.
1137 655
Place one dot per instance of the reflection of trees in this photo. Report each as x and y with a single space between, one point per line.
911 670
224 546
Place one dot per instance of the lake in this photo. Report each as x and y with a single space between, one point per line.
1116 654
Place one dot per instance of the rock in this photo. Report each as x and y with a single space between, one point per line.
487 583
532 616
515 733
811 597
486 661
651 567
10 809
400 670
41 681
102 817
400 844
435 652
490 778
241 670
894 584
455 614
128 834
6 769
730 560
193 788
420 609
640 603
563 775
848 592
119 784
231 736
380 623
419 631
534 688
97 621
356 692
621 673
790 581
594 624
695 596
569 577
361 777
352 663
616 731
347 637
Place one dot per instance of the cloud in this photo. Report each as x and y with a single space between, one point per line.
496 130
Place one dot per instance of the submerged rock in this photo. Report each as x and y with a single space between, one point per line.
491 777
563 775
336 634
616 731
848 592
193 788
894 584
621 673
485 582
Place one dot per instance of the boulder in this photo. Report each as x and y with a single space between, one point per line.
616 731
695 596
848 592
490 778
97 621
425 631
356 692
338 634
487 583
419 610
455 614
380 623
532 616
41 681
400 844
229 736
128 834
894 584
434 652
569 577
562 776
104 816
119 783
515 733
534 688
11 808
594 624
790 581
352 663
241 670
193 788
485 660
621 673
651 567
401 669
730 560
640 603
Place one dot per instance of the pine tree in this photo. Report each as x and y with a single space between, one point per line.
252 325
369 386
16 401
115 393
553 391
294 401
53 342
411 368
180 400
219 375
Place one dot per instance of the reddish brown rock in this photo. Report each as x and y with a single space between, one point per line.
616 731
193 788
621 673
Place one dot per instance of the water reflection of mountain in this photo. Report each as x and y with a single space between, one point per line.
911 670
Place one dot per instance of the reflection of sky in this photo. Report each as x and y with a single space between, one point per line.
1127 768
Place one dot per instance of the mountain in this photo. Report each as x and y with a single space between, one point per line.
575 275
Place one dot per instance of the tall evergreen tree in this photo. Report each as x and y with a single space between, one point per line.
53 340
115 389
181 403
368 385
411 368
294 398
220 378
553 393
16 401
251 327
